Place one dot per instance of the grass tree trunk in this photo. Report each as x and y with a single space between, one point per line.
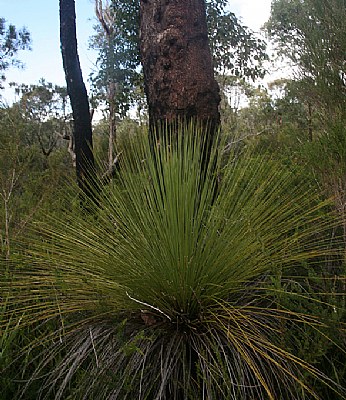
177 63
78 96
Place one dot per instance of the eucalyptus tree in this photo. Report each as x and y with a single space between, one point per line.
311 34
236 50
44 107
12 41
114 82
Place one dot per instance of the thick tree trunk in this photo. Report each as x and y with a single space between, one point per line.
177 63
78 96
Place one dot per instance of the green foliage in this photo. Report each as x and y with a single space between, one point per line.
29 180
171 288
11 41
44 108
311 33
118 58
236 49
326 157
127 130
280 119
327 154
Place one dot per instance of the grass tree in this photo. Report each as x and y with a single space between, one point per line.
170 291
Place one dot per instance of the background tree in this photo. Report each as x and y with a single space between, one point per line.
11 41
311 34
45 108
114 81
277 118
236 50
78 96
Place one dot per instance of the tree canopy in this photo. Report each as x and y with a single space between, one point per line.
311 34
12 41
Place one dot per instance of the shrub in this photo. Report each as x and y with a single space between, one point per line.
172 287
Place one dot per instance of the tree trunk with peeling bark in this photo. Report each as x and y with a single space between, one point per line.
177 63
107 22
78 97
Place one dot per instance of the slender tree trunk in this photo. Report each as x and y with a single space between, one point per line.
310 121
106 19
7 227
112 124
177 63
78 97
6 195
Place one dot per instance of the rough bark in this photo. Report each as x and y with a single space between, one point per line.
78 96
177 63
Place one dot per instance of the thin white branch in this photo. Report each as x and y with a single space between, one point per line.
92 342
229 145
148 305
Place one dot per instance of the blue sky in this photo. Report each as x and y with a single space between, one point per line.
41 18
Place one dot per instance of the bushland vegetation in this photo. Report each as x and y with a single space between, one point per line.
200 264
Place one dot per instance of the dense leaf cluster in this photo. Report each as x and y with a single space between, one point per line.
311 34
11 41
